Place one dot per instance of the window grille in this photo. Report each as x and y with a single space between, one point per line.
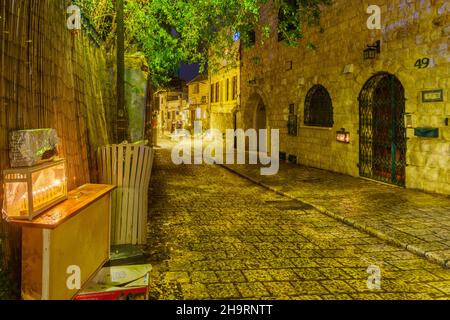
318 108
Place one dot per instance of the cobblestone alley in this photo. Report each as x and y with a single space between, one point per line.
215 235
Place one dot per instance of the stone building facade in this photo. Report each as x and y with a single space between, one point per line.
173 109
224 96
390 106
198 94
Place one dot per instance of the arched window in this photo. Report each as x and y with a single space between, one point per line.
318 108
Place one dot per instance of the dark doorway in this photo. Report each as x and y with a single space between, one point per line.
261 124
261 119
382 132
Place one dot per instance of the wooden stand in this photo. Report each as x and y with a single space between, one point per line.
74 233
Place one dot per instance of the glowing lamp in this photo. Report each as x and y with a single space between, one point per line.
30 191
371 52
343 136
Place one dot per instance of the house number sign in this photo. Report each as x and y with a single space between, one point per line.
433 95
422 63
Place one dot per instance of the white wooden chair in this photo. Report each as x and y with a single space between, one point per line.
128 166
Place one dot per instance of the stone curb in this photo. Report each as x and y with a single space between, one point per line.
361 227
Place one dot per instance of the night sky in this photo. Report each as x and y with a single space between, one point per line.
188 71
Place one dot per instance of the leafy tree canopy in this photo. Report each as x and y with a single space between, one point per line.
171 31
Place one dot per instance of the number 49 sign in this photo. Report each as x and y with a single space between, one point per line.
423 63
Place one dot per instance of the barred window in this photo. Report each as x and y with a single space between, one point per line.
318 108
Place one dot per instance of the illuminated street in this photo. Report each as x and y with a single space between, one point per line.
213 234
225 150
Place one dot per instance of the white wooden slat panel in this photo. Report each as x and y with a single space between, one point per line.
99 164
143 189
104 165
131 213
128 167
115 196
114 164
108 165
120 174
137 196
146 177
126 194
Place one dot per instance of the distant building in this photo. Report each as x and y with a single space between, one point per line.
224 92
198 99
224 96
173 107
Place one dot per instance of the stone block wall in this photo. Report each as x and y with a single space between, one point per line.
199 101
222 111
411 31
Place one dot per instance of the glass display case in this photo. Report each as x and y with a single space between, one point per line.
29 191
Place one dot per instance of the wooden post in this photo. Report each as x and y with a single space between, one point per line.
121 120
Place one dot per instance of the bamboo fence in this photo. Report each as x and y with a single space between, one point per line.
50 77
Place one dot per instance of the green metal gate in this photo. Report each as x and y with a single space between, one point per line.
382 132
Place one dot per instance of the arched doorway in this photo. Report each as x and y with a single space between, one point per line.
260 123
382 131
254 116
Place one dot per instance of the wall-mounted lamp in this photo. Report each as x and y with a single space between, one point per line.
343 136
372 51
408 120
349 68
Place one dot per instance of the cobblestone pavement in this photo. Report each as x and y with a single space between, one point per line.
215 235
412 219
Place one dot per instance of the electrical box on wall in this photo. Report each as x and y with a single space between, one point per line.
292 121
292 125
426 132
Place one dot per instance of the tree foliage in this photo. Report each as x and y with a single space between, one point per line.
171 31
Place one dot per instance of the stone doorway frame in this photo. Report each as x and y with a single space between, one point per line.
250 114
383 160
